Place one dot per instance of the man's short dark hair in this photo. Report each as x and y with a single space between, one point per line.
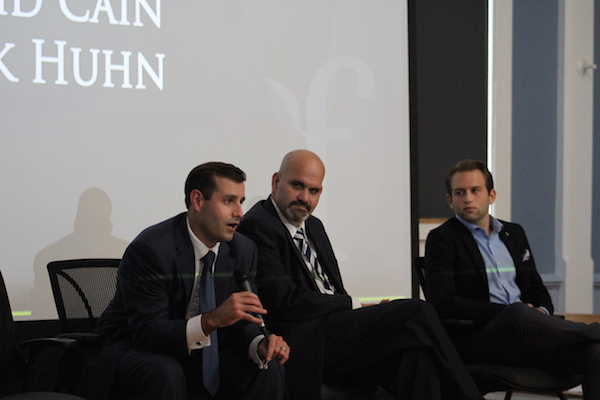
203 178
469 165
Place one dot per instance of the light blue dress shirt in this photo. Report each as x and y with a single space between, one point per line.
499 265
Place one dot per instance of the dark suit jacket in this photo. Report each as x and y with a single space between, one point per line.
457 283
296 308
154 287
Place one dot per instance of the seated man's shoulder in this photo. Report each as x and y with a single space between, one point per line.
160 235
446 227
511 226
162 228
312 220
255 211
257 218
241 241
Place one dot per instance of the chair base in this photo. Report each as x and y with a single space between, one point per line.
41 396
500 378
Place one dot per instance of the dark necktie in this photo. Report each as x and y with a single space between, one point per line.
210 354
317 271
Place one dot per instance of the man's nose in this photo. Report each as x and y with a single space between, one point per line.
303 194
238 211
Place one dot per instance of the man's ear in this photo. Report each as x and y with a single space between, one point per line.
449 200
275 181
196 199
492 196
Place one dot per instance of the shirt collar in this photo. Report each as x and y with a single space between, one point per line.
200 249
495 224
290 227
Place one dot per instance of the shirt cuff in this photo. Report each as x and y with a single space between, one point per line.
253 352
356 304
196 338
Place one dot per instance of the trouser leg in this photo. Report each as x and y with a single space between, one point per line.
267 384
416 377
524 336
590 362
376 340
241 379
583 359
520 328
150 376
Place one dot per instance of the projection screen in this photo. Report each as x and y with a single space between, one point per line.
106 105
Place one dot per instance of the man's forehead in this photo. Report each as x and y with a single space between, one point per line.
228 185
464 187
313 183
468 179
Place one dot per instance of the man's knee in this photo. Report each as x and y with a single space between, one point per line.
268 384
592 353
151 375
413 308
167 370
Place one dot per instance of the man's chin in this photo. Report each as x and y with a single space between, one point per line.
297 217
472 218
227 237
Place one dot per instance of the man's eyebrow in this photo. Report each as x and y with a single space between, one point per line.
232 196
467 188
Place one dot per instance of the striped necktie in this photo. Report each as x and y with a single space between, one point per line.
210 354
317 272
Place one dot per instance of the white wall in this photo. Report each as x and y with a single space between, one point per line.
572 284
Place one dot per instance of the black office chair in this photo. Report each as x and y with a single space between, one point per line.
82 290
15 364
502 378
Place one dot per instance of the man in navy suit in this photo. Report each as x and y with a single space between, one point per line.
482 269
160 329
400 345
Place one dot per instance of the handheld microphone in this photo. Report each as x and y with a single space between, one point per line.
241 278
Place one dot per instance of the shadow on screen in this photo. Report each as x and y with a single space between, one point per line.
91 239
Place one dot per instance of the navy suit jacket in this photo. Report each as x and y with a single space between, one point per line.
308 320
155 283
457 283
296 309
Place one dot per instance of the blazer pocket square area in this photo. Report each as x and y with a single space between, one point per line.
526 255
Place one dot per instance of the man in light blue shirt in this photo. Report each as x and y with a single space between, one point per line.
499 265
482 269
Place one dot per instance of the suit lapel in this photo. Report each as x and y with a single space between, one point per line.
511 245
224 268
299 257
185 257
323 253
467 238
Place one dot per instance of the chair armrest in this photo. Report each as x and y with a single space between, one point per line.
48 342
82 336
458 322
35 346
28 364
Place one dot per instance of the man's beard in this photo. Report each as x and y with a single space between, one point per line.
297 216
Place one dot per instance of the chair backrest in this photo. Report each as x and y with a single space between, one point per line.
7 336
82 290
419 270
